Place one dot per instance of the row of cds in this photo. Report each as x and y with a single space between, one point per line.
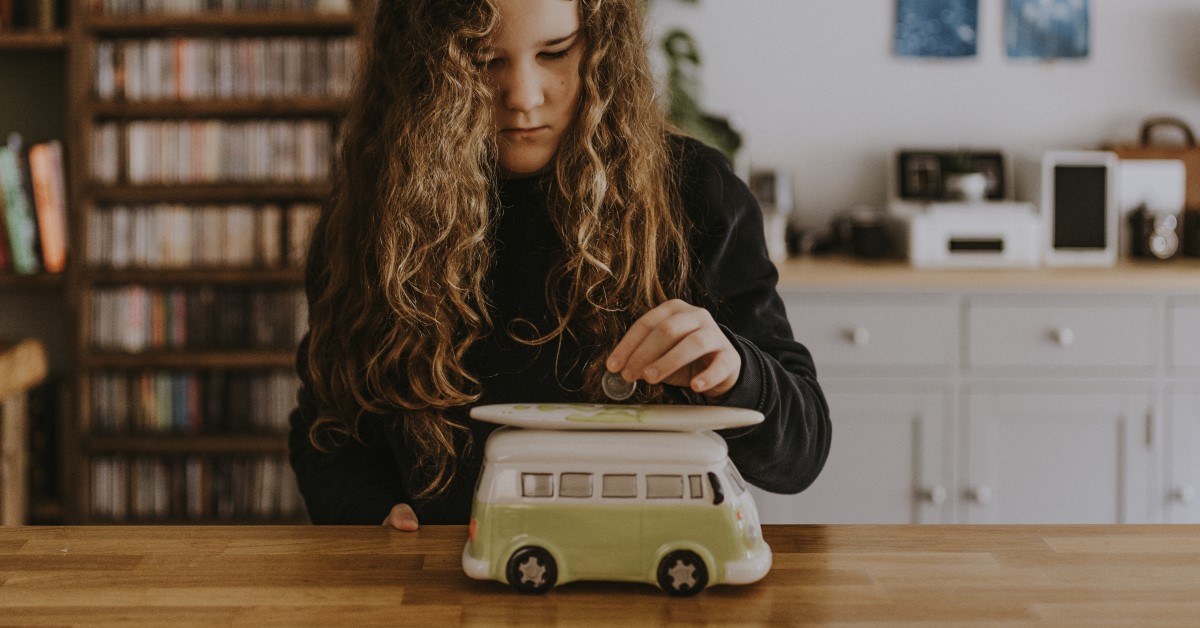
167 236
191 68
187 7
150 152
135 319
208 402
193 488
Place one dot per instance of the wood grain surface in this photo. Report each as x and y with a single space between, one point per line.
290 575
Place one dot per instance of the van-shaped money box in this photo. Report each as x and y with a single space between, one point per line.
642 493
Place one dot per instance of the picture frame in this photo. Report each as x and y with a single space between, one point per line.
1080 199
921 173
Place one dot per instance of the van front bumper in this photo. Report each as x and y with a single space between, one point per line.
750 570
474 567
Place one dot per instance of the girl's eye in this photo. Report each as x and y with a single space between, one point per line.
560 54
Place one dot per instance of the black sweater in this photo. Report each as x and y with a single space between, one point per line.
361 481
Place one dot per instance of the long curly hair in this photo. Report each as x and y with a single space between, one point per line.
398 259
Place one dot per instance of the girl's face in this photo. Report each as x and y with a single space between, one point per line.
533 66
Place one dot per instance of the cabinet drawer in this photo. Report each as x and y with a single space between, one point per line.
1184 341
864 335
1096 334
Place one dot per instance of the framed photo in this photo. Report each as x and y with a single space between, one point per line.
920 175
991 164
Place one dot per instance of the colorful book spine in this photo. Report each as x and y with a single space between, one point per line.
49 196
18 214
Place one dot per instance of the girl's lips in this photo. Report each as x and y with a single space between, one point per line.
522 133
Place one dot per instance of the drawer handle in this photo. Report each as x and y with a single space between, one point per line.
979 494
1184 494
1064 336
859 336
935 495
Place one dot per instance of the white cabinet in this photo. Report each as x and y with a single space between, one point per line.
887 461
1182 442
1057 454
1069 396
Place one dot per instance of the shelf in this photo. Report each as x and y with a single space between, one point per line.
274 108
216 193
45 511
185 444
265 23
43 281
257 23
191 360
242 520
223 276
33 41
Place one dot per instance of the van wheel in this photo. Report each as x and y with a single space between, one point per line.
532 570
682 573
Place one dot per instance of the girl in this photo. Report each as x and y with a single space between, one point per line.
512 219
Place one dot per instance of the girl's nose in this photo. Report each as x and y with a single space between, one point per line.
522 88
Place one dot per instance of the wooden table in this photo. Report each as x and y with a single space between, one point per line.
1085 575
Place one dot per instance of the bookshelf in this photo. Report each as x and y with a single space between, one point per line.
33 41
33 64
203 145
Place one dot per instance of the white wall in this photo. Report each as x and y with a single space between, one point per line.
816 90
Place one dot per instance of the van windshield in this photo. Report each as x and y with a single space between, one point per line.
735 478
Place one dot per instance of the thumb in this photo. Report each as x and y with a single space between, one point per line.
402 517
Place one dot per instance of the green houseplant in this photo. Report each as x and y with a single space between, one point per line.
682 86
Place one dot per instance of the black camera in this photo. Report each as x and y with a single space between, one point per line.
1153 234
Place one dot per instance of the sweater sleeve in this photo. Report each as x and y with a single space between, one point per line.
355 482
787 451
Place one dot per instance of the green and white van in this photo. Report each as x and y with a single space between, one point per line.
662 507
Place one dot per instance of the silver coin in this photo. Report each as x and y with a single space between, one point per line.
616 387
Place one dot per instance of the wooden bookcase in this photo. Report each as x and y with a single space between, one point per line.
170 424
32 102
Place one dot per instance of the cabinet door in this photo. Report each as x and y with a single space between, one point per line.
1063 455
887 463
1182 453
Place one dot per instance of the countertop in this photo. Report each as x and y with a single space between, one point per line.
841 273
247 575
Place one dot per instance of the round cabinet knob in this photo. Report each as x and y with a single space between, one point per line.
859 336
1064 336
935 495
979 494
1184 494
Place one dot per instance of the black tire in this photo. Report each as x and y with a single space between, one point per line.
682 573
532 570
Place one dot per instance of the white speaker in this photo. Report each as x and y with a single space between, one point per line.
1080 199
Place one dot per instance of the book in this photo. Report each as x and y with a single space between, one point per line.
5 255
49 197
18 214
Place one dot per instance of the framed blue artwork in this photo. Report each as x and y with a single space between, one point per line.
936 28
1047 29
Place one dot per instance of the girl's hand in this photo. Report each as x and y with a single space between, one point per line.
678 344
402 517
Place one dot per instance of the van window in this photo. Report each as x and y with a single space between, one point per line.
537 485
664 486
739 485
718 492
614 485
575 485
696 487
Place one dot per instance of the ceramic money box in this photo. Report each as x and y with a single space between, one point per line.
642 493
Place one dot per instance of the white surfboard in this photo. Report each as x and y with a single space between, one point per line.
624 417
